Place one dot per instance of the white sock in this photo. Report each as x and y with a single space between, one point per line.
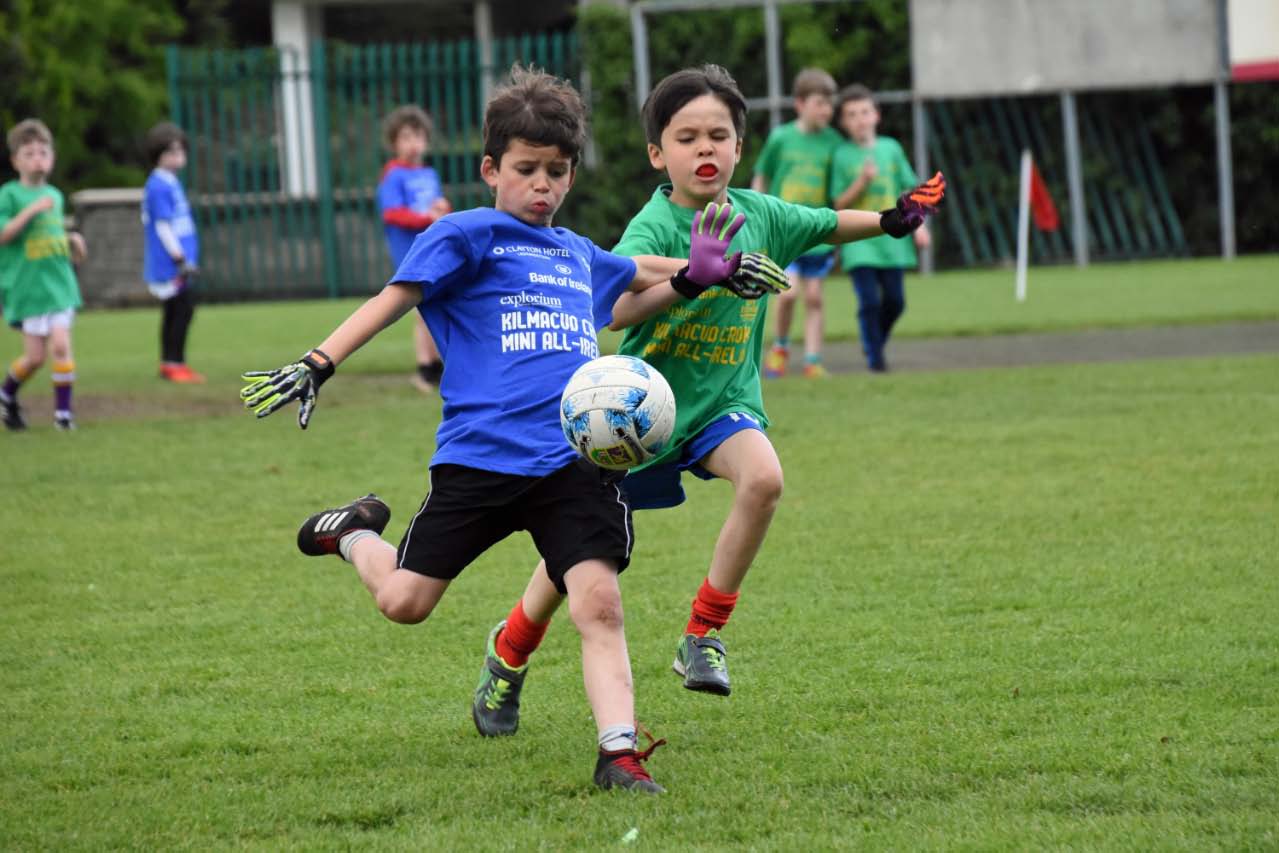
616 738
348 540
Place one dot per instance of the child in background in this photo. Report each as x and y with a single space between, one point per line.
410 198
708 347
515 302
38 287
171 251
869 171
794 165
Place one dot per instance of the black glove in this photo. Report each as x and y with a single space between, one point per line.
269 390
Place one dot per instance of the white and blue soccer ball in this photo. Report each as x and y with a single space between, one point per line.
617 411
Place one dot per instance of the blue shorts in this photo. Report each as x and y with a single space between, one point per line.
812 266
659 487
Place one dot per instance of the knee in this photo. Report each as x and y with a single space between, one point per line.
813 299
598 606
401 608
761 490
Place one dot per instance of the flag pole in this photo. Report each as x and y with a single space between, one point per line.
1023 226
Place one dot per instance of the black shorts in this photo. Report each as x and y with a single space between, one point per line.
576 513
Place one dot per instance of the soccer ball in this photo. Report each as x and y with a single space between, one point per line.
617 411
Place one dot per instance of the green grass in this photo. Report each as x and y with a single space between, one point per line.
1023 608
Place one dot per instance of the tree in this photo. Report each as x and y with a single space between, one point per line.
94 73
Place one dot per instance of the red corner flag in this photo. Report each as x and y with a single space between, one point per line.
1041 203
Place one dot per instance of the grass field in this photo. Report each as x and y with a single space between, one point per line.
1018 608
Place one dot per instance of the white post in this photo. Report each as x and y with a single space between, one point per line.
483 20
1023 225
293 27
1075 178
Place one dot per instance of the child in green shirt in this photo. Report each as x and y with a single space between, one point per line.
709 349
38 287
870 170
794 165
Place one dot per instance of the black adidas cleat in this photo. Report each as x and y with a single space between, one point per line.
11 413
496 706
319 534
702 662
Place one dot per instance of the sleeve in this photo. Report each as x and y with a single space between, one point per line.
161 201
766 163
641 238
438 260
797 228
8 209
611 274
390 191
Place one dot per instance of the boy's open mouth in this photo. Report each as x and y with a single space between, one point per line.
706 170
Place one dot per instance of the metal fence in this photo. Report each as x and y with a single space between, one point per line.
285 151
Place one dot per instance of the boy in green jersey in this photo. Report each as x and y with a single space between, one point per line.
868 170
794 165
709 349
37 285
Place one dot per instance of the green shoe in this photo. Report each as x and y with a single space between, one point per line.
702 663
496 706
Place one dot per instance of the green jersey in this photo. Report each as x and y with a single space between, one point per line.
709 348
893 177
35 267
796 164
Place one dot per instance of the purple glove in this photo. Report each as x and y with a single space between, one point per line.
713 229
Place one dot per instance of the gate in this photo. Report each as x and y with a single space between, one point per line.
285 151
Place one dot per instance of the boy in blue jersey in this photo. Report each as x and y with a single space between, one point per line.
410 198
514 304
171 252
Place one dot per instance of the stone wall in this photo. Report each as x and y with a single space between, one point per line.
111 222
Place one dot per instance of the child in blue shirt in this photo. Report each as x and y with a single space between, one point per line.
171 252
410 198
515 303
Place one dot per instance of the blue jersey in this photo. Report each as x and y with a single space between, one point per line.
164 200
414 187
514 309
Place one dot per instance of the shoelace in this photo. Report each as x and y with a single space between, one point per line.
496 694
630 761
713 656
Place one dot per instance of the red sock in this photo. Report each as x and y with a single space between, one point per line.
520 638
711 609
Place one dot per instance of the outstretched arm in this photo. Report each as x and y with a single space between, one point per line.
854 225
380 311
911 211
713 231
650 292
268 391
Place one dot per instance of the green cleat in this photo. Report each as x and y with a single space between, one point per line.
496 706
702 662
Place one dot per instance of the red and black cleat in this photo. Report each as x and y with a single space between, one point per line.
319 534
624 769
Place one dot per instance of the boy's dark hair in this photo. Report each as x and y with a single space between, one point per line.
538 108
853 92
409 115
676 90
28 130
814 81
160 138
